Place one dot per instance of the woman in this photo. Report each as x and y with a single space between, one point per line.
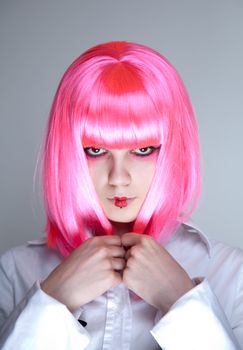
121 177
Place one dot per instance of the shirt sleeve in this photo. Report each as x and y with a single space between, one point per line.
38 322
195 321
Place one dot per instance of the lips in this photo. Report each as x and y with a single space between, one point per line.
122 201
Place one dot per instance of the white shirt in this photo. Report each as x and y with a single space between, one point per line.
210 316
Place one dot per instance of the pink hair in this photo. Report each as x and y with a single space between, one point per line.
119 95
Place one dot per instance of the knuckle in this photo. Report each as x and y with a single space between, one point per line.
113 240
107 264
102 251
130 262
119 264
117 239
121 251
135 251
145 240
88 242
123 263
96 240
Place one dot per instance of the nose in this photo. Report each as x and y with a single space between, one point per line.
119 174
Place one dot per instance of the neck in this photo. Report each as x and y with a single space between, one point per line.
119 228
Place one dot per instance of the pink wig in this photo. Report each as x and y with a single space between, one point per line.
119 95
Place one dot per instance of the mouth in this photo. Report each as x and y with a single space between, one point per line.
121 202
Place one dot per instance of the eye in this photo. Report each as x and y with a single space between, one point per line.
94 152
145 151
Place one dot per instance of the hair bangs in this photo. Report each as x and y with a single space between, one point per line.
121 121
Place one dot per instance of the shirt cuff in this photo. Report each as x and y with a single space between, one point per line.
76 313
195 321
42 322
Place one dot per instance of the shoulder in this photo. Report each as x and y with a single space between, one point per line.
219 263
20 268
226 266
202 255
34 260
221 251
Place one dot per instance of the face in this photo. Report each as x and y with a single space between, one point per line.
122 178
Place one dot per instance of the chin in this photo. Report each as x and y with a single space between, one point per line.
122 215
121 218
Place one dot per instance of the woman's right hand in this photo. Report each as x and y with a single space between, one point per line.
88 272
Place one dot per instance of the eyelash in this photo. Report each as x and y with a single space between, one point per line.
88 149
152 150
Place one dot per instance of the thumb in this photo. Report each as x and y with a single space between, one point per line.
129 239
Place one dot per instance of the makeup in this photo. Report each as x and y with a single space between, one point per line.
120 202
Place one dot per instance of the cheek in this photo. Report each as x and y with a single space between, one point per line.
97 172
144 172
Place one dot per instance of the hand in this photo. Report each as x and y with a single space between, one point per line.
152 273
88 272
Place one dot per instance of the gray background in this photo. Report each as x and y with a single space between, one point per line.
39 39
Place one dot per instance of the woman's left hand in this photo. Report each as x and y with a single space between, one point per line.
152 273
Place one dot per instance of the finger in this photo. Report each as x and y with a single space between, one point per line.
108 240
128 254
117 252
117 279
118 264
131 238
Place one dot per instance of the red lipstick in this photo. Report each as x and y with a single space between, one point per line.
120 202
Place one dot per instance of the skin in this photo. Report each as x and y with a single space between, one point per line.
121 173
104 262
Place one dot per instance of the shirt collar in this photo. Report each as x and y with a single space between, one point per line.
190 226
38 241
